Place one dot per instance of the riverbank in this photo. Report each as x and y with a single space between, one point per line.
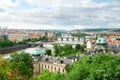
11 49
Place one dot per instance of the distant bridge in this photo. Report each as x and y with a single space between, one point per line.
41 43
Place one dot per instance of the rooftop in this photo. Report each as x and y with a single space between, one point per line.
101 41
57 60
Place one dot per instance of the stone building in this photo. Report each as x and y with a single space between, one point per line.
100 46
17 37
53 64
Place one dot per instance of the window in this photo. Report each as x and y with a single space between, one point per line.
45 66
55 68
51 68
63 70
59 69
48 66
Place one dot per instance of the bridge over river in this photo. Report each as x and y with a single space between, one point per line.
40 43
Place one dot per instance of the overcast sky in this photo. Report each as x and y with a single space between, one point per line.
59 14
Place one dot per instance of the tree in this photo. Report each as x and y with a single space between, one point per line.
77 47
4 69
57 49
46 75
6 43
48 52
68 68
44 38
100 67
79 34
21 64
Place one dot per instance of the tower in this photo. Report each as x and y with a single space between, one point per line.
46 33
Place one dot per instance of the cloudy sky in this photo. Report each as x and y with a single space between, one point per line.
59 14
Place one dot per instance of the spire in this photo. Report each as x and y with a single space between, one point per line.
46 33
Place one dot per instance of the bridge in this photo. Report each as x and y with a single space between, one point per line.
41 43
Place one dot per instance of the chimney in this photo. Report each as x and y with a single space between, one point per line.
46 59
61 61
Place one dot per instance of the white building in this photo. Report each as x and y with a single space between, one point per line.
89 44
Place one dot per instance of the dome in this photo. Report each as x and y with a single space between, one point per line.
39 52
101 41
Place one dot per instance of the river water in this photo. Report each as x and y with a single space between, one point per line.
30 50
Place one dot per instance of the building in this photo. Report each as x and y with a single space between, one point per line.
89 44
50 35
53 64
35 35
99 46
17 37
68 38
101 41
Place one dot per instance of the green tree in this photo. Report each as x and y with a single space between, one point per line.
68 68
22 62
100 67
77 47
79 34
6 43
46 75
48 52
4 69
44 38
57 50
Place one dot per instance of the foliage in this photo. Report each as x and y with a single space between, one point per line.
118 39
21 65
46 75
48 52
68 68
77 46
68 50
4 69
79 34
29 40
57 34
6 43
99 67
44 38
18 67
34 40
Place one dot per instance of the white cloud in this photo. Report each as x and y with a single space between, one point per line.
8 4
65 3
59 14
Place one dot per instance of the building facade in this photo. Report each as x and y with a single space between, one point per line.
17 37
52 64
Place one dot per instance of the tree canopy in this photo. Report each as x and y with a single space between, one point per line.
99 67
21 64
68 50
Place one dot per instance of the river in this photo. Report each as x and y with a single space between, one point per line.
30 50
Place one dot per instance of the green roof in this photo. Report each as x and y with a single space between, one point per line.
101 41
39 52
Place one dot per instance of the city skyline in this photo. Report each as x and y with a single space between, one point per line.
60 14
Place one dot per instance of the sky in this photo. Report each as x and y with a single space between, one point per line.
59 14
